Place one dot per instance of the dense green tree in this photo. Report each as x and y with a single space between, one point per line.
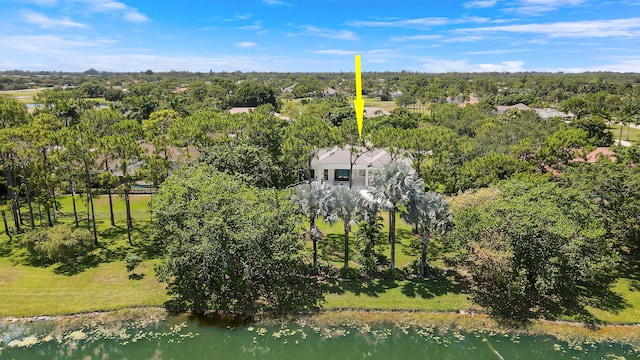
540 251
251 163
489 169
303 139
230 247
597 130
563 146
253 94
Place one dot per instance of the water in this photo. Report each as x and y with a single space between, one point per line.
184 338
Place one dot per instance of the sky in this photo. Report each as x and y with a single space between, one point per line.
320 35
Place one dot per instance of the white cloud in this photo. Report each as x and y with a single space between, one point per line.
416 38
245 44
244 16
336 52
255 27
480 4
329 33
402 23
578 29
128 13
44 2
275 2
48 23
471 38
418 23
537 7
45 43
445 65
135 16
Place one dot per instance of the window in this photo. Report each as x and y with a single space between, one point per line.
326 174
342 174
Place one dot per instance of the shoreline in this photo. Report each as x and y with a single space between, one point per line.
628 334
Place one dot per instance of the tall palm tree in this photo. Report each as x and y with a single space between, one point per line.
430 213
344 204
371 224
311 200
393 186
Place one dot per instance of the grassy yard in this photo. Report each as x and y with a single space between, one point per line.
634 133
23 96
101 282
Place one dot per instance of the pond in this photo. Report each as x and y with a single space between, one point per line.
181 337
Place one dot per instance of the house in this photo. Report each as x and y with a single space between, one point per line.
333 166
546 113
246 110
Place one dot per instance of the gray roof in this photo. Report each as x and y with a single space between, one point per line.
375 158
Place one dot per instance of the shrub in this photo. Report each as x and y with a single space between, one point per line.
60 243
349 273
394 274
131 261
328 269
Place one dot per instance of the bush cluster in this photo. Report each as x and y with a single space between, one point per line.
59 243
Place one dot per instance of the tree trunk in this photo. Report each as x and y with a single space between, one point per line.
312 235
93 220
128 208
28 193
392 237
113 221
620 137
47 205
11 193
423 257
309 169
628 127
6 225
90 203
15 210
346 247
73 201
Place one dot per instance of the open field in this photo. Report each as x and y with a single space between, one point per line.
634 133
100 281
23 96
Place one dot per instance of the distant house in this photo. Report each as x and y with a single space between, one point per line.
333 166
241 110
546 113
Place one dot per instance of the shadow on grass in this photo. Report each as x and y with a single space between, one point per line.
430 288
79 265
369 287
136 276
331 247
6 248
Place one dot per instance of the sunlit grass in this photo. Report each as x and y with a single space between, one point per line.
634 133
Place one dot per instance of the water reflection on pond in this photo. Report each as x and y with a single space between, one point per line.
184 337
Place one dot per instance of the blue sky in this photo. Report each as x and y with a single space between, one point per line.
320 35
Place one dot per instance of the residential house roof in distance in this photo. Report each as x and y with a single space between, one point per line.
242 110
546 113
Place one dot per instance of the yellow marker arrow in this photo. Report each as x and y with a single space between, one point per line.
358 103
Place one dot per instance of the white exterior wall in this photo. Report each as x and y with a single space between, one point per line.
358 179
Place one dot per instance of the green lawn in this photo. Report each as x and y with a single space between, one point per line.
634 133
23 96
101 282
